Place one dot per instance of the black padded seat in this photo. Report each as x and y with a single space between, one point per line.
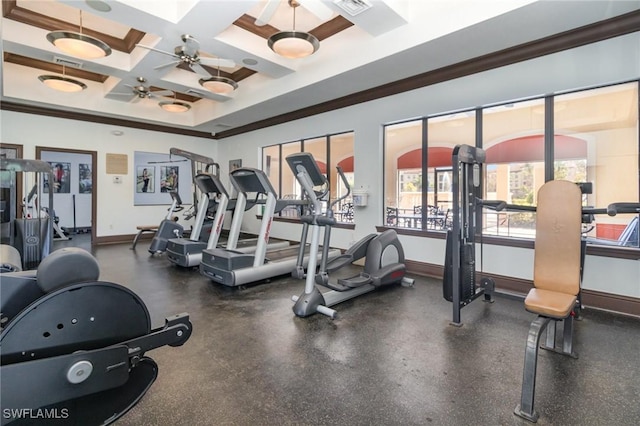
67 266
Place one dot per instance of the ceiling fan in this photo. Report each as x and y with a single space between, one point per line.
140 91
316 7
189 53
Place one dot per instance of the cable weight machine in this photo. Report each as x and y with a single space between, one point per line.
460 285
460 254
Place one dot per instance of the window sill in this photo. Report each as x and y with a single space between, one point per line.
592 250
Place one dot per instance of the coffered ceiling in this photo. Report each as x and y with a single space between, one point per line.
389 42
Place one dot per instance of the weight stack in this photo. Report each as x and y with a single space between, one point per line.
31 237
467 271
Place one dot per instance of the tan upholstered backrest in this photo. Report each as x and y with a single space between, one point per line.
557 246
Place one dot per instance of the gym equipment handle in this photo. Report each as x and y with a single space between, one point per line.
616 208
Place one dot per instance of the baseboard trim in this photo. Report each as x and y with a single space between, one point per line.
119 239
590 298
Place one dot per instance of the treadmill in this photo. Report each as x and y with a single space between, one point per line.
232 268
179 250
188 252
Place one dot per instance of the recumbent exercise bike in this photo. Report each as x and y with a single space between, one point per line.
72 347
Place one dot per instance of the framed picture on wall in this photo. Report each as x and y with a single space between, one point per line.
169 178
145 176
85 184
234 164
61 178
156 174
10 153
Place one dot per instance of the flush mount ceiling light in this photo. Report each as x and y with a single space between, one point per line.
218 84
78 44
62 83
174 105
293 44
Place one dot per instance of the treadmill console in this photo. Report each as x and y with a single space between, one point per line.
246 179
209 184
305 160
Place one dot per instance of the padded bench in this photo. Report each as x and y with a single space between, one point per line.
142 230
556 281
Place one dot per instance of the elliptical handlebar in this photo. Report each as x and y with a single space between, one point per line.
496 205
346 184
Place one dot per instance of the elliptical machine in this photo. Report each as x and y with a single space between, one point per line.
383 253
169 227
73 347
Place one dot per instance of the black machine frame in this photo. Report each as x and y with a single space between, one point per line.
32 236
460 265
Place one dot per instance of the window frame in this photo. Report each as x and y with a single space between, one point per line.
549 162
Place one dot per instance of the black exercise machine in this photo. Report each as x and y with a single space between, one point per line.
383 253
459 264
74 347
30 232
168 228
560 251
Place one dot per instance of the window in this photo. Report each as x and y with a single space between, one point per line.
513 139
403 171
444 133
341 154
420 196
330 150
594 138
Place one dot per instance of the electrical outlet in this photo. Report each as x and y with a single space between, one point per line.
117 179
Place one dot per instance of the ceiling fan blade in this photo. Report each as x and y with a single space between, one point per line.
191 45
322 11
217 62
156 50
267 12
122 94
136 99
197 68
174 63
162 93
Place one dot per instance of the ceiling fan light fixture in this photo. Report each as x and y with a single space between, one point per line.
62 84
293 44
78 44
174 106
219 84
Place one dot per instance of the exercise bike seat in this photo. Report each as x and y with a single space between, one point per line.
61 268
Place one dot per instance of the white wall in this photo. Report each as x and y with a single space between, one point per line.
610 61
116 213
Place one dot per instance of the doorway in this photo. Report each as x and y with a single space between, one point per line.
75 188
